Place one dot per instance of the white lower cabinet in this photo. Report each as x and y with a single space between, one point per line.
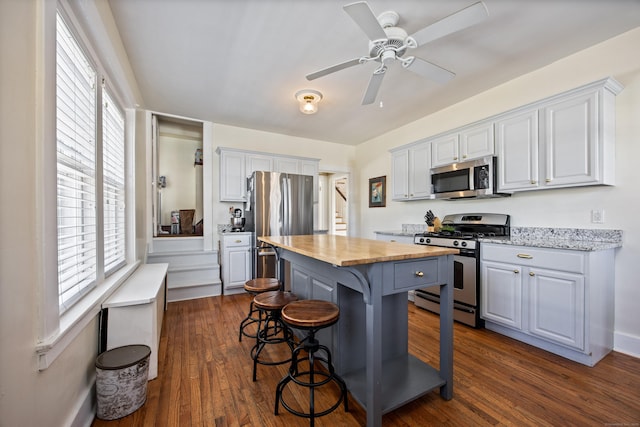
556 299
235 249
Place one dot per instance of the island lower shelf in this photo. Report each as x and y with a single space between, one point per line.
404 379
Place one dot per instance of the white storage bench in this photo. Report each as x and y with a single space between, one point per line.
134 313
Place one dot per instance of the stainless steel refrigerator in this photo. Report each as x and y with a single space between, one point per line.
280 204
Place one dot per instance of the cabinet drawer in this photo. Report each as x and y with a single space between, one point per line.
555 259
230 241
415 274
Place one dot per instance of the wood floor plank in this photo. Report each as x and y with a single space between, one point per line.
204 379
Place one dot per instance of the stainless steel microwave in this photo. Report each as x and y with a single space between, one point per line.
474 178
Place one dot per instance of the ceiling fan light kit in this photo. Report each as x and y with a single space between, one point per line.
388 43
308 100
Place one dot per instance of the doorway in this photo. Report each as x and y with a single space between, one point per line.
333 203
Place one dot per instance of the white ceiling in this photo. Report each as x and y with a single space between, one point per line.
240 62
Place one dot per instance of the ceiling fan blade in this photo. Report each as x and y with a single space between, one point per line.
429 70
464 18
374 86
333 68
361 13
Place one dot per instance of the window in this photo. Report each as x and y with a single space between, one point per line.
113 183
89 126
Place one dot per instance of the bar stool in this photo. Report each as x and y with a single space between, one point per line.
255 287
271 330
311 315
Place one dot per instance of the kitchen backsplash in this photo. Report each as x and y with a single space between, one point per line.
414 228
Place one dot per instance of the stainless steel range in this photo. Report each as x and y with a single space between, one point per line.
462 231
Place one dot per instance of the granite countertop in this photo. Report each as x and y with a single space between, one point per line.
576 239
407 230
347 251
395 233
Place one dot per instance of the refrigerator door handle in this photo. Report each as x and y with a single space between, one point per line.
286 205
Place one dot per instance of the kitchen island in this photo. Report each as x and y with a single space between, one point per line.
369 281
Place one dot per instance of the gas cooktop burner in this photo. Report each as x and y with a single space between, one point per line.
469 227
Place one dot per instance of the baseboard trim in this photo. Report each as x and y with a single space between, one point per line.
85 410
627 344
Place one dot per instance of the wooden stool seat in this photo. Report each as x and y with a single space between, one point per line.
273 300
310 314
255 287
262 284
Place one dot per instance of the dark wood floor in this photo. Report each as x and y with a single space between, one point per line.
205 380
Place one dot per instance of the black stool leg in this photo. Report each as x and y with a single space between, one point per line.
267 334
312 346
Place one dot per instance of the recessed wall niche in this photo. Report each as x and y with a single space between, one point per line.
179 176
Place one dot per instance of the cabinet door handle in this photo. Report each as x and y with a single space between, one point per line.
392 240
419 274
531 273
548 180
464 157
525 256
516 271
455 158
238 241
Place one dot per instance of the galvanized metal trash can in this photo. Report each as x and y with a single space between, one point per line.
122 374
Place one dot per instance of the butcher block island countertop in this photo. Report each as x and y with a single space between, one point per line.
369 281
349 251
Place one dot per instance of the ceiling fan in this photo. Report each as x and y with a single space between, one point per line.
389 43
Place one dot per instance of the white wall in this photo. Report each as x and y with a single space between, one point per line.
618 58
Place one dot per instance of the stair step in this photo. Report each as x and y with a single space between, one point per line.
183 258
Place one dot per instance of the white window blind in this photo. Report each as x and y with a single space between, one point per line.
113 183
76 168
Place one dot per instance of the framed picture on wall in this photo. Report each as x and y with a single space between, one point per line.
377 192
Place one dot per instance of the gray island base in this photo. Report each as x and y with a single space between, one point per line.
369 280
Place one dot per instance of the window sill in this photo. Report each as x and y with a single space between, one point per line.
74 320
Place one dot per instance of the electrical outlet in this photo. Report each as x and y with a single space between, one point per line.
597 216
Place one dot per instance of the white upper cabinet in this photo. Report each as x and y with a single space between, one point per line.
571 141
477 141
411 179
517 149
445 150
258 162
465 144
400 175
564 141
237 165
233 176
286 165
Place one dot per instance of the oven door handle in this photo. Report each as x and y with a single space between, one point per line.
436 300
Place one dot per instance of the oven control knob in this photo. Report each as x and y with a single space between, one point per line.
464 244
455 243
421 240
428 240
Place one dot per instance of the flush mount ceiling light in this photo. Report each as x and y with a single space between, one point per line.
308 100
